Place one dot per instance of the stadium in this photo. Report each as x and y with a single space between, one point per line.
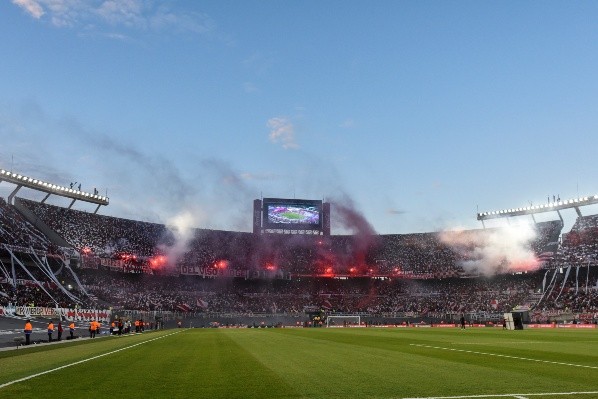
303 290
298 199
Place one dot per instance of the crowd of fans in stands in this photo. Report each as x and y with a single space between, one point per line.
580 245
394 256
17 232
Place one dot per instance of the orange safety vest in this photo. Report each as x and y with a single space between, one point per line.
28 327
72 326
51 327
92 326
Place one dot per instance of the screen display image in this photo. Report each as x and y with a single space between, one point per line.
292 213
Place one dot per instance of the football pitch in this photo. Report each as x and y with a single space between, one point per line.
311 363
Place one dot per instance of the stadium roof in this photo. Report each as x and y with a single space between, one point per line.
50 188
574 203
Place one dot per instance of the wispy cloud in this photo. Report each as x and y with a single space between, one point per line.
126 14
395 211
32 7
282 132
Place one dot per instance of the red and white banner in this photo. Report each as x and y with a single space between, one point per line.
576 326
541 325
85 314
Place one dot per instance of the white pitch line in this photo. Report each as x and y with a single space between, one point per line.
508 395
506 356
83 361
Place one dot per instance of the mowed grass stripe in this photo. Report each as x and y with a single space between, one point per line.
544 345
182 366
381 363
35 359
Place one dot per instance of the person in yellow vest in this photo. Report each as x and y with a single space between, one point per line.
28 330
50 330
72 329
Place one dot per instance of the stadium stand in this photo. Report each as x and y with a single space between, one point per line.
580 245
395 275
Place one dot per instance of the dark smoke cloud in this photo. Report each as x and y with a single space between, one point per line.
363 235
349 218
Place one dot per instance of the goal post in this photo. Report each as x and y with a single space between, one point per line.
343 321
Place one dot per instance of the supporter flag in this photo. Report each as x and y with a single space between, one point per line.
184 307
201 303
494 304
545 256
326 304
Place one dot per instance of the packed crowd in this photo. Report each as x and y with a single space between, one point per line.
17 232
102 235
425 254
404 259
580 245
143 292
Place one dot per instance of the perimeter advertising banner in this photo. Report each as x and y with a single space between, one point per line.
212 272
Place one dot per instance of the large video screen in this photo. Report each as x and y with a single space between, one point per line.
281 213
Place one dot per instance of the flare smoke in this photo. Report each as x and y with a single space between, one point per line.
494 251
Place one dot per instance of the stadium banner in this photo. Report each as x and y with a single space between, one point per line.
29 311
85 314
8 310
68 314
576 325
545 325
212 272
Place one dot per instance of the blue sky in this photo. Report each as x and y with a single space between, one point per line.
415 113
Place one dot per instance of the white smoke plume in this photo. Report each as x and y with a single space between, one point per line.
182 226
493 251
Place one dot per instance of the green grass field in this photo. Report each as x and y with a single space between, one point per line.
311 363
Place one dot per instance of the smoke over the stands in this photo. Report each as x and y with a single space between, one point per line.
182 227
181 201
350 219
354 222
494 251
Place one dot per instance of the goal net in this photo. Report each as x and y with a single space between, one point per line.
343 321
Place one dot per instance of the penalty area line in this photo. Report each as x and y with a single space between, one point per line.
508 395
505 356
83 361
